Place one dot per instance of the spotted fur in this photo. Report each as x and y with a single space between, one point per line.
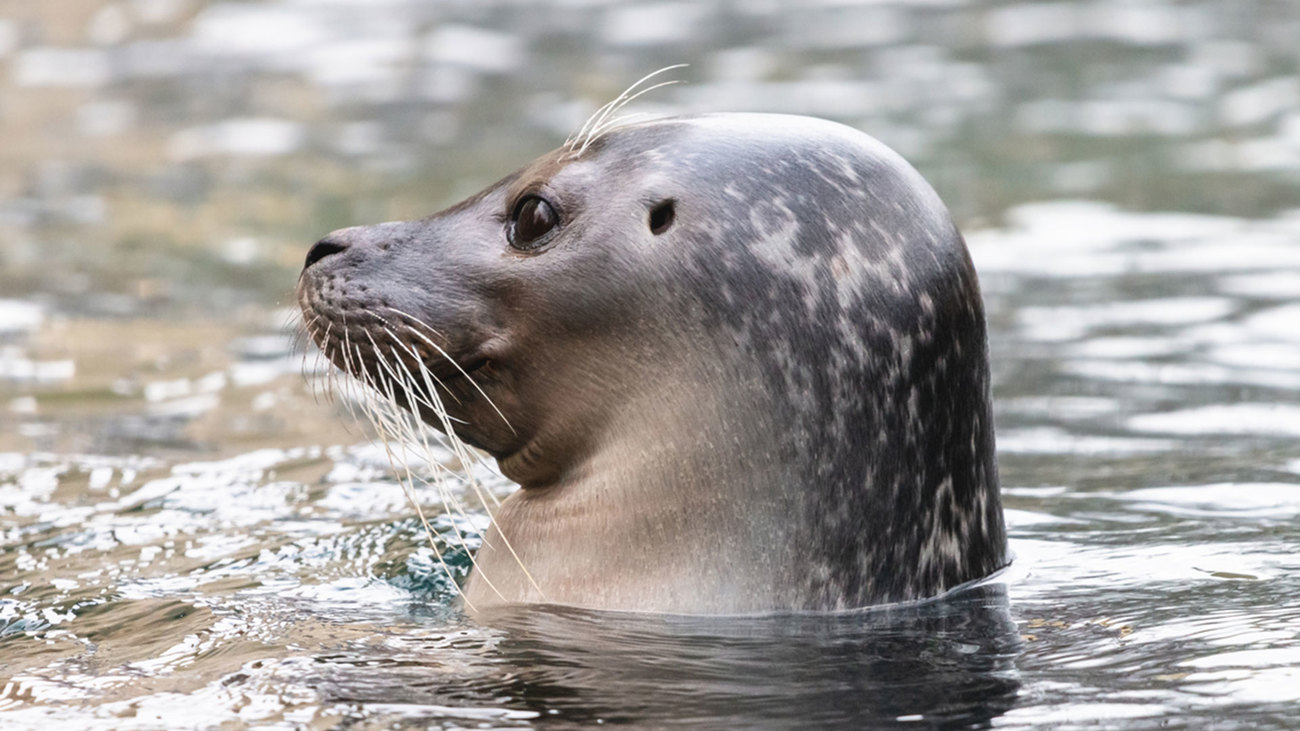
782 402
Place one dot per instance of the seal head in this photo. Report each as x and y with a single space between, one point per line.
737 363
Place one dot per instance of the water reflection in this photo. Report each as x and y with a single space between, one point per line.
945 663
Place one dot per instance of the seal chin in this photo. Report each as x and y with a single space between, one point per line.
532 466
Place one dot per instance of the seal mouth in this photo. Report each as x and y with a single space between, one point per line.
388 362
455 371
391 354
401 359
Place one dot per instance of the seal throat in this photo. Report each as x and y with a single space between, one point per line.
386 382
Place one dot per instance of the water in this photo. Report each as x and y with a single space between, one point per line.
189 539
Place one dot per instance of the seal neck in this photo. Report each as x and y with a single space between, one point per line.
681 506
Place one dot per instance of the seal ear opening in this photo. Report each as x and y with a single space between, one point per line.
661 217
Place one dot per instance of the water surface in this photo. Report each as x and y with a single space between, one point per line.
190 538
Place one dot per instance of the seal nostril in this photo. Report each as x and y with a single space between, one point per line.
661 217
323 248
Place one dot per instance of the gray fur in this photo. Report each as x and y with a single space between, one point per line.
782 402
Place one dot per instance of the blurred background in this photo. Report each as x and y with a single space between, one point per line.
187 531
167 163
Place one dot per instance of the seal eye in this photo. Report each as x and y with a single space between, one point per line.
533 219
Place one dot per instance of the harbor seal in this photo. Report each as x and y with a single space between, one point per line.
737 362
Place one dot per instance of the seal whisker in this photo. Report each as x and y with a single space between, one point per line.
415 354
393 420
293 325
415 432
302 332
315 354
405 419
308 364
388 422
607 123
331 379
338 388
335 394
436 404
459 448
583 134
388 328
601 113
313 384
414 320
622 119
419 433
354 394
468 461
424 338
572 141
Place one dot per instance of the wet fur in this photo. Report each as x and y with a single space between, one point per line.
780 403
